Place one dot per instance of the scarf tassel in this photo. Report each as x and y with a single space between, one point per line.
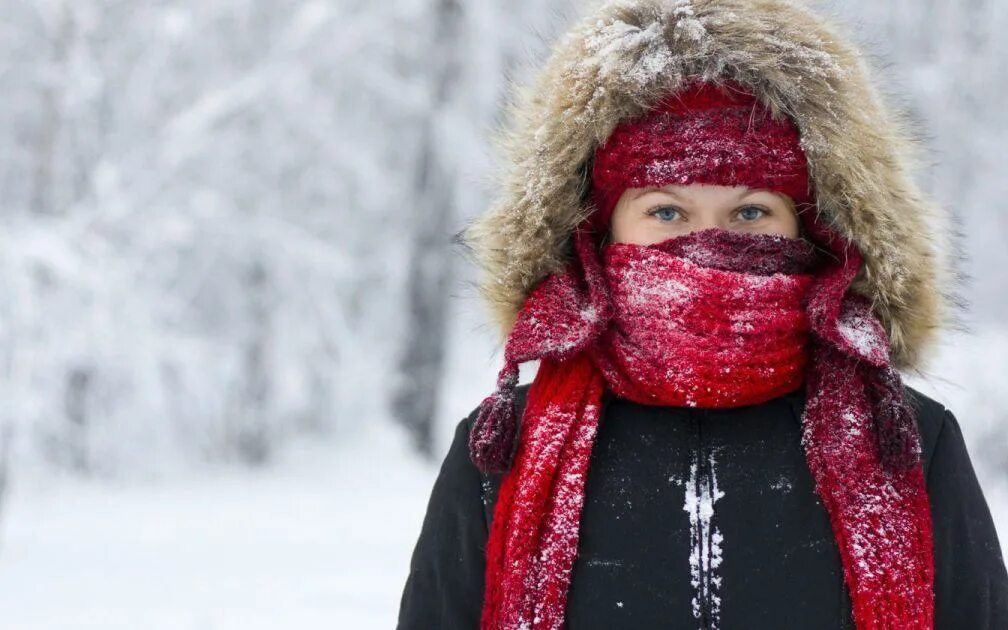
493 439
896 434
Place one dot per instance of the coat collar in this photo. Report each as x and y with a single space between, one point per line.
795 402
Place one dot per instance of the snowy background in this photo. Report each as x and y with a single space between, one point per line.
235 330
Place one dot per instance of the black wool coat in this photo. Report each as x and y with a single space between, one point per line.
780 565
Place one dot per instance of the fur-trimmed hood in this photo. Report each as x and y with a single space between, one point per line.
625 55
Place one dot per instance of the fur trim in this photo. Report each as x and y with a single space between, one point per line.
625 55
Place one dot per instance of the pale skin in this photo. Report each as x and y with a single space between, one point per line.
645 216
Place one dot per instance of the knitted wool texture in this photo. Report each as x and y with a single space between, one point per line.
700 134
689 334
767 313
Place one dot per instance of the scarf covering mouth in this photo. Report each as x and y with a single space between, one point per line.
713 319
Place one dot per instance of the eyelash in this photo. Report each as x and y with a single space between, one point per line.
657 209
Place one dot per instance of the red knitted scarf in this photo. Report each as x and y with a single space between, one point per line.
711 319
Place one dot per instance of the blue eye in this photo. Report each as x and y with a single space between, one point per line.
750 217
664 213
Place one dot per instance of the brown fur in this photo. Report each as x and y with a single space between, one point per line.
625 55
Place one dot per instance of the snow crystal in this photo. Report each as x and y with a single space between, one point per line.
686 24
487 487
852 425
783 483
644 290
603 562
741 327
607 49
700 495
862 333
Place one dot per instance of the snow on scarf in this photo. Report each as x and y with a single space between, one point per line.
710 319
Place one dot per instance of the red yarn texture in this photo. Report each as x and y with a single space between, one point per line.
700 134
688 335
714 319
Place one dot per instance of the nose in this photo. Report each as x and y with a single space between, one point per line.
706 222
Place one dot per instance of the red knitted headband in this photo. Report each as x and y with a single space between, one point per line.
700 134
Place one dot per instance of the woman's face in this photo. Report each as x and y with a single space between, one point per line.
645 216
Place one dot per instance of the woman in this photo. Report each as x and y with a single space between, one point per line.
710 241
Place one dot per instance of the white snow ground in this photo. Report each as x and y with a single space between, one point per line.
320 540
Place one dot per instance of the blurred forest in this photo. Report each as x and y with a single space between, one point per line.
226 223
237 330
